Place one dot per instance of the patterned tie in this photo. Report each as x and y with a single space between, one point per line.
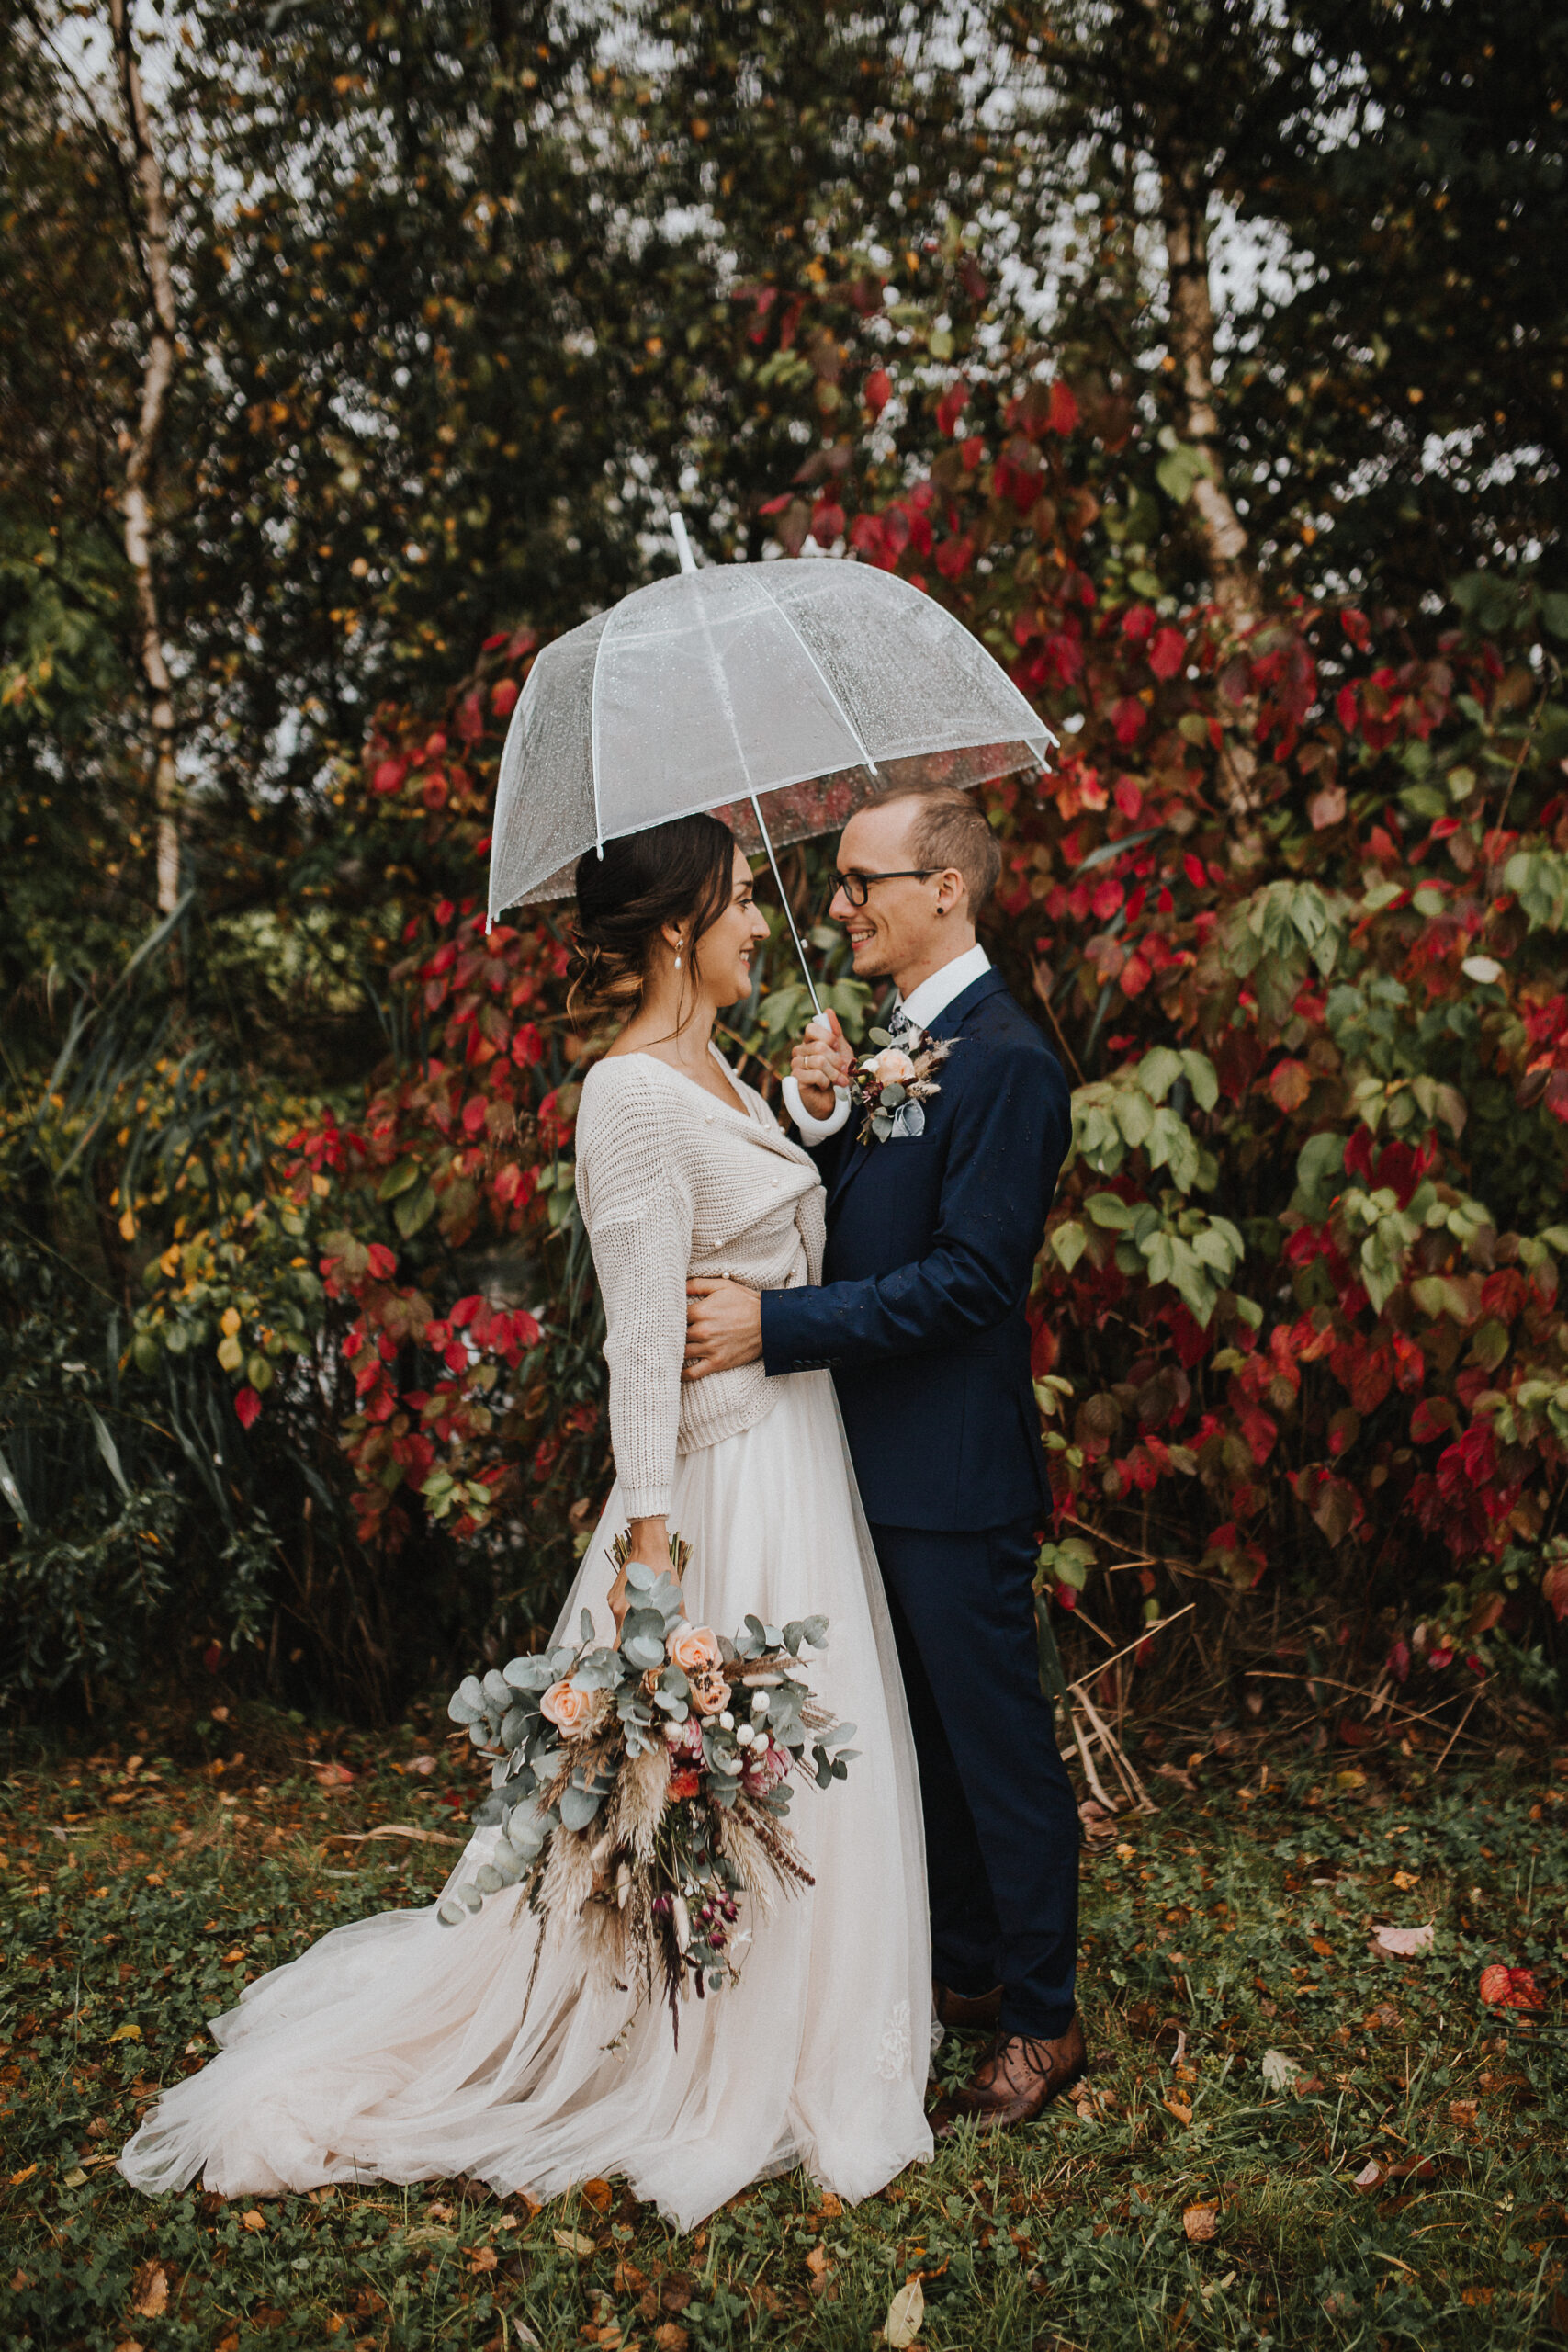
900 1026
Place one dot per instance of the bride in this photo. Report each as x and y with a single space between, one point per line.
398 2049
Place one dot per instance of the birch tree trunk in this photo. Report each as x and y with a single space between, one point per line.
1184 209
152 233
1184 215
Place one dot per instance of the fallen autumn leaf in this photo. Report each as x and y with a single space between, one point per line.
905 2313
1404 1943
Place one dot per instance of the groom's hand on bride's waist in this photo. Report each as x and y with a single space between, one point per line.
724 1327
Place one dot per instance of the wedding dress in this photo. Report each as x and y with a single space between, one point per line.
398 2049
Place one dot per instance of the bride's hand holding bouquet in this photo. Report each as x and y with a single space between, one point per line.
647 1542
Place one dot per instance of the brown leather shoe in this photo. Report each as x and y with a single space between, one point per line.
967 2013
1019 2080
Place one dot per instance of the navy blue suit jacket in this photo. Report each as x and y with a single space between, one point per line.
931 1240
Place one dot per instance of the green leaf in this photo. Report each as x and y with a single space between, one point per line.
1069 1241
13 1494
1201 1077
1320 1164
1135 1117
1158 1071
1173 1145
1109 1209
415 1210
109 1450
1554 611
397 1179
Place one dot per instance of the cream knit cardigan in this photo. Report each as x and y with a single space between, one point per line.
673 1182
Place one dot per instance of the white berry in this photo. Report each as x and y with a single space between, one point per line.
727 1721
759 1703
745 1735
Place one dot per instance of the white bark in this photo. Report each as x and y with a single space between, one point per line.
140 508
1184 209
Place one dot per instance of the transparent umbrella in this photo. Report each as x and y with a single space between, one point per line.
779 696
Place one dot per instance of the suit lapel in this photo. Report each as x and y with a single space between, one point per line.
951 1017
947 1023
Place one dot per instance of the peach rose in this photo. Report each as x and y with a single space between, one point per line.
893 1066
695 1650
570 1710
710 1693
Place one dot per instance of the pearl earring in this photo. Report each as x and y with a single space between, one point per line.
677 947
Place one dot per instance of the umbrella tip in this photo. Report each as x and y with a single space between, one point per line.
683 544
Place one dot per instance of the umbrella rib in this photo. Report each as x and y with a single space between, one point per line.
789 911
852 730
593 739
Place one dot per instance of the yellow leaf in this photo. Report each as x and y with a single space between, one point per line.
573 2241
905 2313
126 1225
1179 2108
231 1322
126 2033
1200 2222
252 2220
17 2178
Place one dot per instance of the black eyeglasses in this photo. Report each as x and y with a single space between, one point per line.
856 888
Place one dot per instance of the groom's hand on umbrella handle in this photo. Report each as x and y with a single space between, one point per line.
724 1327
820 1063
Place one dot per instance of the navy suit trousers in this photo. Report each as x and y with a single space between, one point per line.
1002 1825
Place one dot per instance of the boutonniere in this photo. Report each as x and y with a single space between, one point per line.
891 1087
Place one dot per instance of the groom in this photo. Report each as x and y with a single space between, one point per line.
931 1238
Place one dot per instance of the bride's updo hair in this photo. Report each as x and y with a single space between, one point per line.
681 873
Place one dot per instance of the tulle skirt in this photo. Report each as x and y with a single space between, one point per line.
397 2048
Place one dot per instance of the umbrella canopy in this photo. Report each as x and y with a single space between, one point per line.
777 695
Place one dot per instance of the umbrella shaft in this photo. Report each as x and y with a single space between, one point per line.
783 901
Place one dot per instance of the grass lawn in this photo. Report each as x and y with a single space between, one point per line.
1290 2138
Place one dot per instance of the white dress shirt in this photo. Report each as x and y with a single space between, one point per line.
933 996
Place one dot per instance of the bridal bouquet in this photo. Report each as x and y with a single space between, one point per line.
641 1787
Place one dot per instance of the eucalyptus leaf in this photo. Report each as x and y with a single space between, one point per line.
578 1807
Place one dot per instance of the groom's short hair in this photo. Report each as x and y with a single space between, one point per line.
950 831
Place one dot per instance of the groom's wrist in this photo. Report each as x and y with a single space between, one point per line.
782 1345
